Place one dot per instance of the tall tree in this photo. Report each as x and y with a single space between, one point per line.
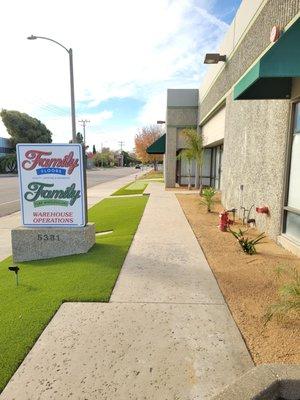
194 145
94 149
128 159
25 129
79 137
104 159
143 139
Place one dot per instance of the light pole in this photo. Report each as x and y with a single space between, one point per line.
70 52
74 137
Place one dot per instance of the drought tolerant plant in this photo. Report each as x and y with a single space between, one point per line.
208 194
8 163
246 244
289 297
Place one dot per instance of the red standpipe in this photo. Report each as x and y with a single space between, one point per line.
224 221
262 210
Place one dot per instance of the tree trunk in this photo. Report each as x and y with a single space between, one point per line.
189 184
200 179
197 179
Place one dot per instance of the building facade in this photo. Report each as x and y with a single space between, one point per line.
5 146
182 112
249 115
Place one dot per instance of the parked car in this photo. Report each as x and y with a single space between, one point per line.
137 166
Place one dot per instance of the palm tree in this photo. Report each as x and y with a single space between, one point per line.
186 154
195 149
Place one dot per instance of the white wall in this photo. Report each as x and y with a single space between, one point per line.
213 131
244 16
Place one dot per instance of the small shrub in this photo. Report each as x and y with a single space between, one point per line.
289 297
208 194
8 163
246 244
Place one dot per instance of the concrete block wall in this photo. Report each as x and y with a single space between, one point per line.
182 117
254 156
170 157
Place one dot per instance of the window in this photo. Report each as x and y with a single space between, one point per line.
216 164
292 208
5 150
183 170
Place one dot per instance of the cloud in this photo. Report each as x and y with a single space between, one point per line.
111 137
133 48
61 126
154 109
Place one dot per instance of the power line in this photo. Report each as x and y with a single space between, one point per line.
46 106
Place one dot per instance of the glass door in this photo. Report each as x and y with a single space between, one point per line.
216 164
292 208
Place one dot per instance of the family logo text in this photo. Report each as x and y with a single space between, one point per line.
48 165
41 194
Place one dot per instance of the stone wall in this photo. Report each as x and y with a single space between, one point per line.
256 134
182 116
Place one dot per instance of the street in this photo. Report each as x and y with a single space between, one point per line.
9 188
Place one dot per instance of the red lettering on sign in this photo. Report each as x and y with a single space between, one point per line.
38 158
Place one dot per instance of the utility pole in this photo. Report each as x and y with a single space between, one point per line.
83 123
121 155
121 144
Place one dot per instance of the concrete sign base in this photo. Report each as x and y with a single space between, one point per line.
41 243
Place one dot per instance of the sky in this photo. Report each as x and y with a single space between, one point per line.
126 54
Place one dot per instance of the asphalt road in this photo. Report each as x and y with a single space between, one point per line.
9 187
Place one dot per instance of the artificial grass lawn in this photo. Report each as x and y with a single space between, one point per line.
136 187
153 175
45 284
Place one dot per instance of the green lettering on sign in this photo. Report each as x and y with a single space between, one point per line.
40 190
41 203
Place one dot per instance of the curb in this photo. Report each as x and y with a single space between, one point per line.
265 382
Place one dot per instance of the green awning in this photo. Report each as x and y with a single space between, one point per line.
158 147
271 77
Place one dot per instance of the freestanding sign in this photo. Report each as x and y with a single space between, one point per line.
52 189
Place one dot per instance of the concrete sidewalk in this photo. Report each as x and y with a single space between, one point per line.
167 333
95 194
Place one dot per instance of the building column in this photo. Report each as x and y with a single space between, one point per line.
170 158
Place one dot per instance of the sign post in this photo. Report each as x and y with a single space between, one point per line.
53 202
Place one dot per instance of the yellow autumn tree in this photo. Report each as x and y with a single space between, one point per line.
143 139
